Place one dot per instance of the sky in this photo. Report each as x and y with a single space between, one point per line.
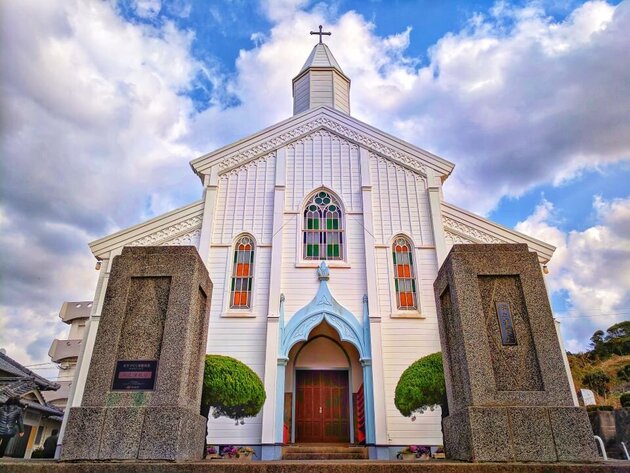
104 103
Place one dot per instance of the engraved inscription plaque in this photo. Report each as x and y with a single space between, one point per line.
135 375
508 337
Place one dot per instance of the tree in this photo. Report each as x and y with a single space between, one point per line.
624 373
598 381
597 340
230 389
421 386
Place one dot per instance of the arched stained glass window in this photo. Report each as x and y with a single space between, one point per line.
323 228
242 274
404 279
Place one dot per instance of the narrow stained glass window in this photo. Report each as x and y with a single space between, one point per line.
242 274
404 275
323 228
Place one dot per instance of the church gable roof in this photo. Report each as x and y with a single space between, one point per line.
461 226
343 125
180 226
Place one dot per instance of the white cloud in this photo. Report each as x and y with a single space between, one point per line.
590 267
97 129
147 8
93 117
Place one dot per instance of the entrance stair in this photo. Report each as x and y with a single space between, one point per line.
324 452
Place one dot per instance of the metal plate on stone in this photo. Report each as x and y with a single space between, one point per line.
135 375
508 337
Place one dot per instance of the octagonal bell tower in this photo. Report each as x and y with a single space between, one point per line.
321 82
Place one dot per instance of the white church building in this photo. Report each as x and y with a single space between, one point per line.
322 236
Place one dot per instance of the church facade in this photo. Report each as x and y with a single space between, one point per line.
322 236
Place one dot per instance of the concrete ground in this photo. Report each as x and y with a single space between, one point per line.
8 465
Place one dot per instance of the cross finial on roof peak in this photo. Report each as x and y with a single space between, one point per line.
321 33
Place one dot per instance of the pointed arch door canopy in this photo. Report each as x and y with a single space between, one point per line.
325 307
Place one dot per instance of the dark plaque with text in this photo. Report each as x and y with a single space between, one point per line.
508 337
135 375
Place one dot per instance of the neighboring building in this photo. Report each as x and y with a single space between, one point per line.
329 342
40 417
66 352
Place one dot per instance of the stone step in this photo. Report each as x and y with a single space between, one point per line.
324 456
324 449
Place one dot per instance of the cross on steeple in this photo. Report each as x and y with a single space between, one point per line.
321 33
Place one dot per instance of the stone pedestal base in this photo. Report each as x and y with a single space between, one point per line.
133 433
506 434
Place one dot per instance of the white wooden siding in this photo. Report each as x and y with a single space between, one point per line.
321 88
404 341
347 285
342 93
323 159
301 94
241 338
400 203
245 202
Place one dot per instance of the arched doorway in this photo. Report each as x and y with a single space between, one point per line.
324 390
324 321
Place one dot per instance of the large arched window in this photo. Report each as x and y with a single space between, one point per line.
242 274
323 228
404 279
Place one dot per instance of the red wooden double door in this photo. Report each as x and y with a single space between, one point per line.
322 406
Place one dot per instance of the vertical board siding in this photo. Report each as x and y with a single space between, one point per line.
400 203
301 94
245 202
347 285
241 338
323 159
405 340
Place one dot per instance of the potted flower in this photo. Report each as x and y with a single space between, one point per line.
212 453
245 453
423 453
439 453
237 453
407 453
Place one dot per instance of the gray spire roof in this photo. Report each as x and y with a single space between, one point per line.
321 57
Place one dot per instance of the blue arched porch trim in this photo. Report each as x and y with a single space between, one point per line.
325 307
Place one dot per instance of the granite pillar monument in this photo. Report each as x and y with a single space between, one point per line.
143 391
508 393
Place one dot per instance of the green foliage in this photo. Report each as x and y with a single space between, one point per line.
615 341
599 408
598 381
421 386
231 388
625 400
624 373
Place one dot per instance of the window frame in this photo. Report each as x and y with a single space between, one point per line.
396 311
301 258
231 276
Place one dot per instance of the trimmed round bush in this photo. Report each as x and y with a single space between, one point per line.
421 386
231 388
625 399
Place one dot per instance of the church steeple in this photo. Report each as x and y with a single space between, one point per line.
321 81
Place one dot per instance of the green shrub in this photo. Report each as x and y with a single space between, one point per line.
625 399
230 389
598 381
624 373
421 386
599 408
